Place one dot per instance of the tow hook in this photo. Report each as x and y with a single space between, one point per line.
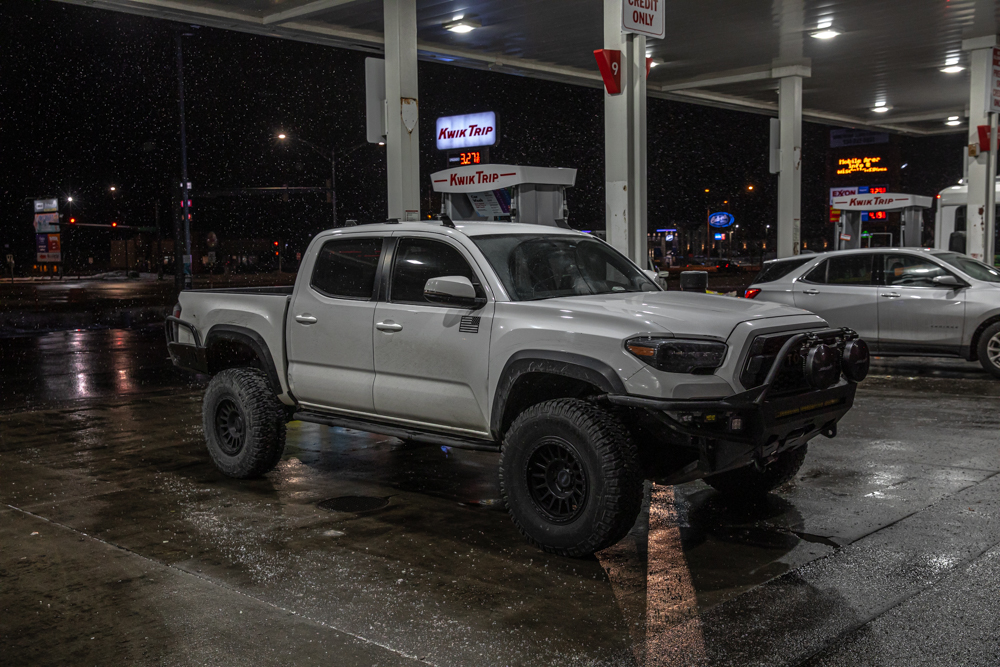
829 430
761 462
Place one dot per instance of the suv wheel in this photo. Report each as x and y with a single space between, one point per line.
748 481
570 477
244 423
989 350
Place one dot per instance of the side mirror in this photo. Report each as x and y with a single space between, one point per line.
453 291
948 280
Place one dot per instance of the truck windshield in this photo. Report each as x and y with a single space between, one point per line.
973 267
537 266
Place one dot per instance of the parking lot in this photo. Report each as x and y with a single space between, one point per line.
121 543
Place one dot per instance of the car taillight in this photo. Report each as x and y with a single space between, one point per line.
751 293
177 310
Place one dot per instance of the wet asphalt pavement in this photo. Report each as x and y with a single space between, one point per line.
120 543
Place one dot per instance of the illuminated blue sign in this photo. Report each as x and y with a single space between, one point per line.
721 219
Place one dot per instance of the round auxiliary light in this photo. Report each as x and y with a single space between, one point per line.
820 367
856 360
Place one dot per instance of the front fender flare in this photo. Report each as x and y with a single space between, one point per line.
566 364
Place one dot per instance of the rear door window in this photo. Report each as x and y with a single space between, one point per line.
849 270
346 268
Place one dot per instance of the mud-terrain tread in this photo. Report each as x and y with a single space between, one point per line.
619 457
981 349
750 482
266 422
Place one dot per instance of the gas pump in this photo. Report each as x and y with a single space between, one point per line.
911 207
505 193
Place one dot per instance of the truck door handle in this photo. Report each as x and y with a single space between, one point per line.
305 319
389 326
811 292
890 295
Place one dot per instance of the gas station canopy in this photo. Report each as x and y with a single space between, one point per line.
905 56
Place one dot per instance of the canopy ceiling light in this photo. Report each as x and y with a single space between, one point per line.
953 120
824 30
880 107
463 24
951 65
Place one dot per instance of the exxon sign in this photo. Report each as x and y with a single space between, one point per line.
466 131
720 220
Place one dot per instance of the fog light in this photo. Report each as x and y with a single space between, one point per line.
856 360
820 367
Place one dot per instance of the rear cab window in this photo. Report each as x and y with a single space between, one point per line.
778 270
345 268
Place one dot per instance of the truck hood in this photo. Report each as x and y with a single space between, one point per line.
678 313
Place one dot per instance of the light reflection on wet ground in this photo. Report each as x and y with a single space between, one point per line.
102 437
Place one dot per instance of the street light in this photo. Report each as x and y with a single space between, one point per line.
113 188
332 157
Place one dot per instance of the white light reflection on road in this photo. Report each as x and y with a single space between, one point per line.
656 594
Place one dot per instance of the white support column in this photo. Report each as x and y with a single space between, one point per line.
790 177
977 218
402 137
625 141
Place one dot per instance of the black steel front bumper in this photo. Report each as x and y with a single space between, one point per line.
751 426
185 355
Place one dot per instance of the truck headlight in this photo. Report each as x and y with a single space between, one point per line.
678 356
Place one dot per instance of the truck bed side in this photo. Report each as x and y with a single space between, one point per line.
256 313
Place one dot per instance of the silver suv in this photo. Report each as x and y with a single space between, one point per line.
902 301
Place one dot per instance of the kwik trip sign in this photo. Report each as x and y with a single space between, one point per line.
471 130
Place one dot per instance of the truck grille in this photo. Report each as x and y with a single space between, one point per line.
790 378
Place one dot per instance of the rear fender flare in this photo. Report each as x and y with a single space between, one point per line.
252 339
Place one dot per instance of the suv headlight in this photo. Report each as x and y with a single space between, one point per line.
674 355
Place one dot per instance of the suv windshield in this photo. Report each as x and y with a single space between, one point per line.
536 266
973 267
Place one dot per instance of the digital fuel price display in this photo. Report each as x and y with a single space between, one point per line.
467 158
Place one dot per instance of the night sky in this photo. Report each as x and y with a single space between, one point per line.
88 99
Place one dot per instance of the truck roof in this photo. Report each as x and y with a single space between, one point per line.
467 228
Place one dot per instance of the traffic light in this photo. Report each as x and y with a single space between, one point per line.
276 251
114 224
72 221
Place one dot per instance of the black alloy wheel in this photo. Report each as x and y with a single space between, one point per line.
556 480
230 426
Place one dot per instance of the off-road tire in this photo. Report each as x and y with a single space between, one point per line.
240 402
605 457
748 482
991 335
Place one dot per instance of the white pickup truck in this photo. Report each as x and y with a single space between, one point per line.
543 344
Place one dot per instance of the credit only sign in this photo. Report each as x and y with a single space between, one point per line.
644 17
469 130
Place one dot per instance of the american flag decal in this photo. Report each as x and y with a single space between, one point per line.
469 324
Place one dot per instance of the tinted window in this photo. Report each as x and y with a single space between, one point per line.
547 266
776 270
419 260
911 271
849 270
346 268
960 219
818 274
